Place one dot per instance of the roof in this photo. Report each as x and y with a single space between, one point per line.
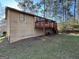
9 8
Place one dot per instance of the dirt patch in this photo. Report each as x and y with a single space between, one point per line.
4 43
4 57
74 34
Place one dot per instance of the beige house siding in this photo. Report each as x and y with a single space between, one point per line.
21 26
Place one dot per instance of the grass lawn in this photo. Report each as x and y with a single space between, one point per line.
47 47
1 39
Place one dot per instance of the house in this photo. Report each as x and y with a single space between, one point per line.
21 25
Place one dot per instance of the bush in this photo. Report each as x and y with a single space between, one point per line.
4 33
75 26
61 27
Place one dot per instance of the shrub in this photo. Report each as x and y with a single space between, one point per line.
4 33
61 27
75 26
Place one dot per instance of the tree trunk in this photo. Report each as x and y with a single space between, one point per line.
77 12
74 9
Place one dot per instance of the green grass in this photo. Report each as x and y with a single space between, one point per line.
47 47
1 39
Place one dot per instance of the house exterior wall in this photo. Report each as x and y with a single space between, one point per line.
21 26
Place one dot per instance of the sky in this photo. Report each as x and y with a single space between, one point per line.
9 3
4 4
12 4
